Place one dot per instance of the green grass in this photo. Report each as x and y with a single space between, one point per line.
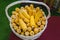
4 23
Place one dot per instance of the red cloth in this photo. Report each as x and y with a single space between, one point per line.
52 31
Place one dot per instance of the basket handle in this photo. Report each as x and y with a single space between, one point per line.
17 2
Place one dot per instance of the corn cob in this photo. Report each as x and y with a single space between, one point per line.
23 25
32 22
24 12
37 16
25 19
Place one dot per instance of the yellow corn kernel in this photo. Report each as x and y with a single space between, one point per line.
17 9
43 22
31 33
27 33
32 22
36 30
37 16
23 25
29 28
18 30
24 12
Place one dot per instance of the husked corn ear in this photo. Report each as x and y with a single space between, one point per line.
25 19
12 20
31 6
16 14
21 15
18 30
22 8
24 12
37 16
19 27
23 25
28 10
36 30
13 12
43 22
16 27
43 18
36 26
40 19
32 22
39 23
29 28
17 9
22 33
16 20
13 24
27 7
42 11
41 27
27 33
37 9
28 24
34 12
31 33
13 16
